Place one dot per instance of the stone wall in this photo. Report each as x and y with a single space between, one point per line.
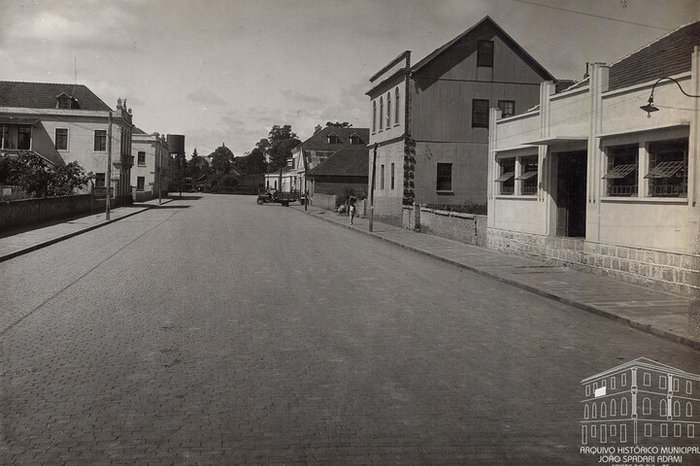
27 212
667 271
466 228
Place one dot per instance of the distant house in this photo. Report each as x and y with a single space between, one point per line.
319 147
152 168
430 121
65 123
343 174
588 178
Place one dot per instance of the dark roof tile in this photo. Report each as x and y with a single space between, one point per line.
43 95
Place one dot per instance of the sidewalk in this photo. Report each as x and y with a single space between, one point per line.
652 311
22 243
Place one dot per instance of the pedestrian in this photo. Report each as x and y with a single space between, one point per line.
352 211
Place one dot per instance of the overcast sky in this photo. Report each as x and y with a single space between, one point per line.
226 71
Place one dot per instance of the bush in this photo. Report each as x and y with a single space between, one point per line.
33 175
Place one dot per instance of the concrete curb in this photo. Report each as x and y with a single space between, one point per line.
647 328
58 239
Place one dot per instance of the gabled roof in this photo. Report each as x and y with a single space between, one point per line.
137 130
487 21
351 161
319 141
43 95
669 55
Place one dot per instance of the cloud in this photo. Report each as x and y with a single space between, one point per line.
206 97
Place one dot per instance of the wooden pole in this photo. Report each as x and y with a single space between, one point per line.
108 180
371 189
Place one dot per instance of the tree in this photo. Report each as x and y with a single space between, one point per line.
222 159
282 140
34 175
256 162
66 179
198 166
337 124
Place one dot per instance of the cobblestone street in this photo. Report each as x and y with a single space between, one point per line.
217 331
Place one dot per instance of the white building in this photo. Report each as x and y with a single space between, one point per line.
588 178
150 154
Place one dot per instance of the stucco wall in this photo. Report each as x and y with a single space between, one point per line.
15 214
466 228
387 201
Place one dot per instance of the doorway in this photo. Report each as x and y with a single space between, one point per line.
571 194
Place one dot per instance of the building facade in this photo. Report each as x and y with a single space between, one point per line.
640 401
429 121
589 179
150 174
68 123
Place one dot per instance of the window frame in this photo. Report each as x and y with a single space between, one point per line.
24 129
388 109
666 148
501 105
397 93
506 179
99 135
140 183
374 116
381 178
67 139
393 184
484 56
442 179
624 170
480 119
381 113
138 158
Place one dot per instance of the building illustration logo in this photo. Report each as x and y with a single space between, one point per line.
640 402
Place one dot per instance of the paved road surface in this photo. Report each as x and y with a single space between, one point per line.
218 331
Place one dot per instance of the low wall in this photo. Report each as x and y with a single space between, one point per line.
27 212
324 201
663 270
466 228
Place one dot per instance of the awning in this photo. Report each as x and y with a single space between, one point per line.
554 140
620 171
527 175
666 169
505 177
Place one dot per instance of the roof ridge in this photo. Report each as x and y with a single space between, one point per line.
653 42
42 83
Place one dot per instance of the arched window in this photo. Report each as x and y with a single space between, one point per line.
396 105
594 414
662 408
623 407
677 409
646 406
689 409
603 409
374 116
381 113
585 412
613 408
388 110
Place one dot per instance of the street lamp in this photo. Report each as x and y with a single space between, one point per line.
650 107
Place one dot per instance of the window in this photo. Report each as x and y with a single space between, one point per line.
354 139
529 177
333 139
668 169
593 430
392 176
396 106
24 137
506 179
688 387
381 177
677 409
388 109
603 434
623 380
647 429
61 139
374 116
676 384
623 407
646 406
584 435
676 430
140 183
100 140
480 113
381 113
484 53
622 171
588 390
507 108
691 431
585 411
141 158
613 382
613 430
4 137
594 412
662 408
623 433
662 382
689 409
603 409
664 430
99 180
613 408
647 379
444 177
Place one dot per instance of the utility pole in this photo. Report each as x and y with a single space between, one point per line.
160 170
108 181
371 189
